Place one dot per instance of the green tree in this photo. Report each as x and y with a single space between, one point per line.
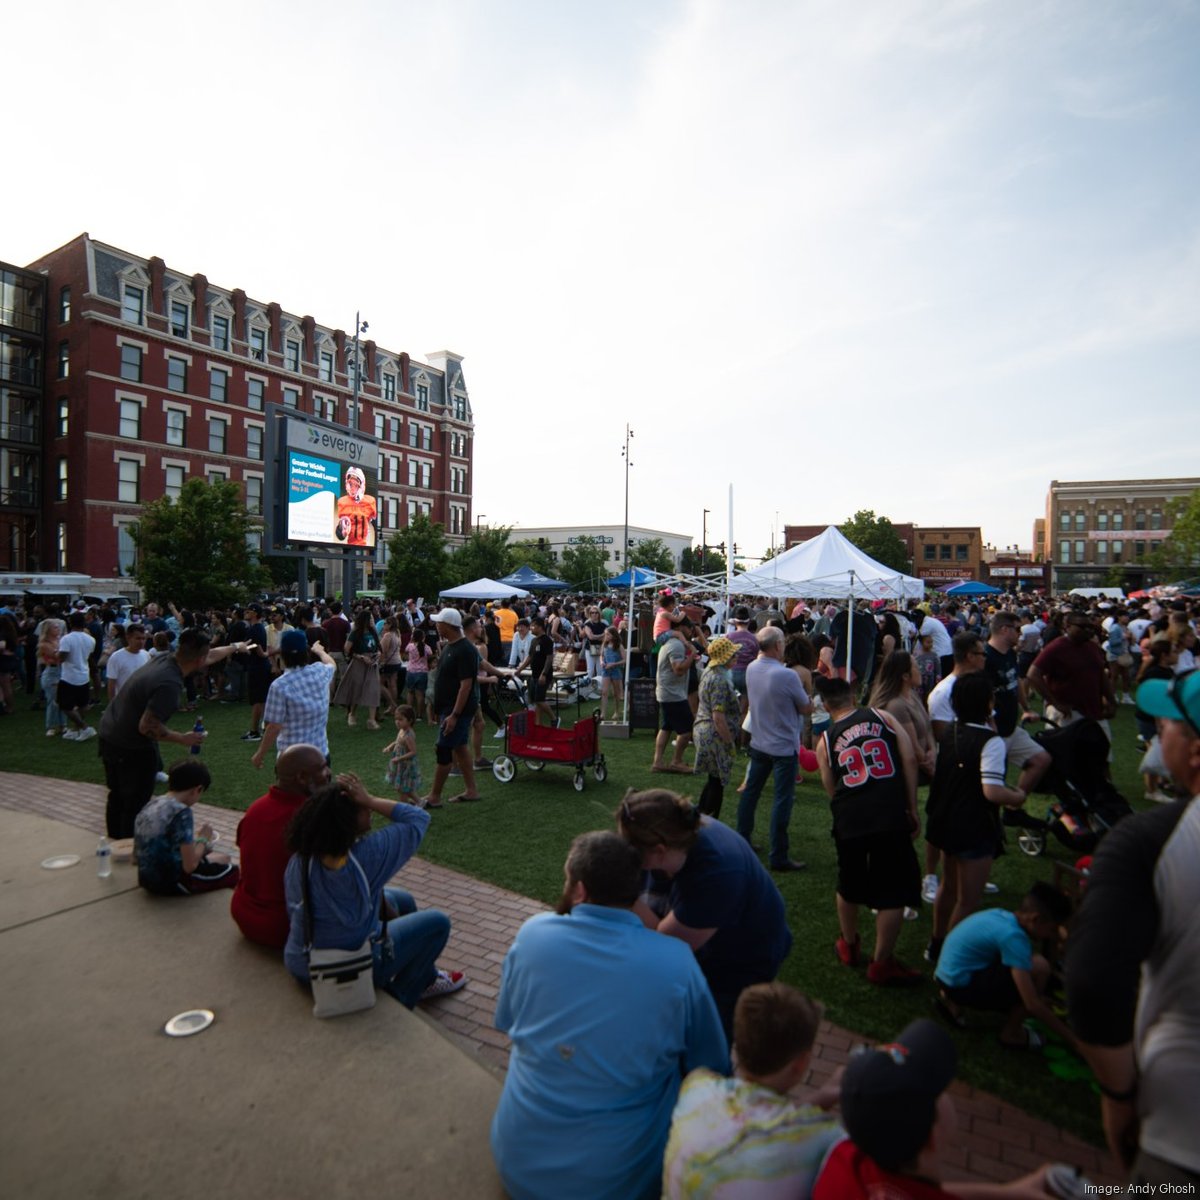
653 554
1179 555
583 563
529 554
712 562
877 537
194 551
417 561
285 572
484 553
768 554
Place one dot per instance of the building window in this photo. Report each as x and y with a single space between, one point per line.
930 552
176 375
176 427
1064 520
379 424
128 474
254 442
392 508
133 305
422 397
64 360
218 384
1064 552
325 407
258 345
394 429
131 363
126 551
60 490
255 394
960 552
1139 519
215 475
414 435
460 408
1102 520
63 421
291 397
1080 552
60 546
326 369
220 332
456 519
1139 549
1102 552
1155 545
1156 519
291 354
389 387
173 482
1118 520
1080 522
254 488
945 552
131 419
181 319
1118 551
64 305
216 435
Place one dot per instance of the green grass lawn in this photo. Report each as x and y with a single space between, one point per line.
518 837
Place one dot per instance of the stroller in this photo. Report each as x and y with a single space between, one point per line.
1086 804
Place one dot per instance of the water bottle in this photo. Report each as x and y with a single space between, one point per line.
104 858
197 728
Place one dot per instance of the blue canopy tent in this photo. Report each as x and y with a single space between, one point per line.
533 581
642 577
969 587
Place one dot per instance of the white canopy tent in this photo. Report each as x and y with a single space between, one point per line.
483 589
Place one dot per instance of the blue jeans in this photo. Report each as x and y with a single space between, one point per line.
783 768
405 958
54 716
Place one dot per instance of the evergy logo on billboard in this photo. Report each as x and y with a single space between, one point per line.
344 446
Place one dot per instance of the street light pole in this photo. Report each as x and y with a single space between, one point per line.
703 540
631 615
349 566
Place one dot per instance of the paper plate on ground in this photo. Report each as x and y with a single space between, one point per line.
195 1020
56 862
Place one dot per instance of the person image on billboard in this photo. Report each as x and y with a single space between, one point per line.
356 512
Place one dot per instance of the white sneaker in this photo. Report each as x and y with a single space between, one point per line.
990 889
52 731
911 914
70 735
445 983
84 734
1128 699
499 733
929 887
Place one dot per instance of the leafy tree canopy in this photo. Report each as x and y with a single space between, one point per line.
528 553
417 561
692 563
194 552
1179 555
877 537
584 564
653 554
484 553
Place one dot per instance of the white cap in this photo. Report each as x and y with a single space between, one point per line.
449 616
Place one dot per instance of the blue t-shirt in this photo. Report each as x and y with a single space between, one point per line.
978 941
161 828
346 901
723 886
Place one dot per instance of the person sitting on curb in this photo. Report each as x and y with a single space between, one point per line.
901 1119
747 1131
988 963
172 856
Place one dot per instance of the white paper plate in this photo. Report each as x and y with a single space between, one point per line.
56 862
195 1020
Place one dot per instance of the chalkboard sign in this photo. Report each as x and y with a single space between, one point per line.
643 708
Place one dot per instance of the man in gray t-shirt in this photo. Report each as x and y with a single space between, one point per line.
777 702
675 657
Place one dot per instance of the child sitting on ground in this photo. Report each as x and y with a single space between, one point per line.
172 858
404 768
987 963
746 1132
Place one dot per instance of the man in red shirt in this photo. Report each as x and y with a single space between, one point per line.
1073 676
258 904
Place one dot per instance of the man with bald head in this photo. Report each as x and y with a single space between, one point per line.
258 904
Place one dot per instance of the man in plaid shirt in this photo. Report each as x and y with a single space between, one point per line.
297 709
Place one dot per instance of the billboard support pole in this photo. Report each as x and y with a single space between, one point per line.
349 584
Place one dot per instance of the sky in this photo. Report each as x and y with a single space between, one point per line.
914 257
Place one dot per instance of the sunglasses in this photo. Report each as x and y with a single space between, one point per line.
1178 702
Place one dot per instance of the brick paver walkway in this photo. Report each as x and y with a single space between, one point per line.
995 1141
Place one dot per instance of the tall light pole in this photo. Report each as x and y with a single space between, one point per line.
349 566
703 539
631 617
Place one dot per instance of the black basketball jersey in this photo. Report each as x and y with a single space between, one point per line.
870 795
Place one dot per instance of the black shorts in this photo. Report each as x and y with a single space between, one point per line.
879 870
989 990
675 716
258 684
73 695
537 691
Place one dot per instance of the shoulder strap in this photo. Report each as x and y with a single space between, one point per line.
305 867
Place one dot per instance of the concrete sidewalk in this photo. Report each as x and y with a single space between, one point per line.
996 1140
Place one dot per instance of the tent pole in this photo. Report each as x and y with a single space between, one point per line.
850 641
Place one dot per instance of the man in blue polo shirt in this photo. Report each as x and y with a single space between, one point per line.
605 1016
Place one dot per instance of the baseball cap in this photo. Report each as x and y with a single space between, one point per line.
449 616
890 1093
1176 699
293 641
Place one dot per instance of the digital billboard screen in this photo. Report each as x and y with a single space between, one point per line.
330 484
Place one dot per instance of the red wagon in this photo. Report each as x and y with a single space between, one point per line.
536 745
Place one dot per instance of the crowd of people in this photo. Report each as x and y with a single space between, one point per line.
878 701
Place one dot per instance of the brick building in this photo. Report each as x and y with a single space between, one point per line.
944 553
156 376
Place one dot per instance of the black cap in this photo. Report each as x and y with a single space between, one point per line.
890 1093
